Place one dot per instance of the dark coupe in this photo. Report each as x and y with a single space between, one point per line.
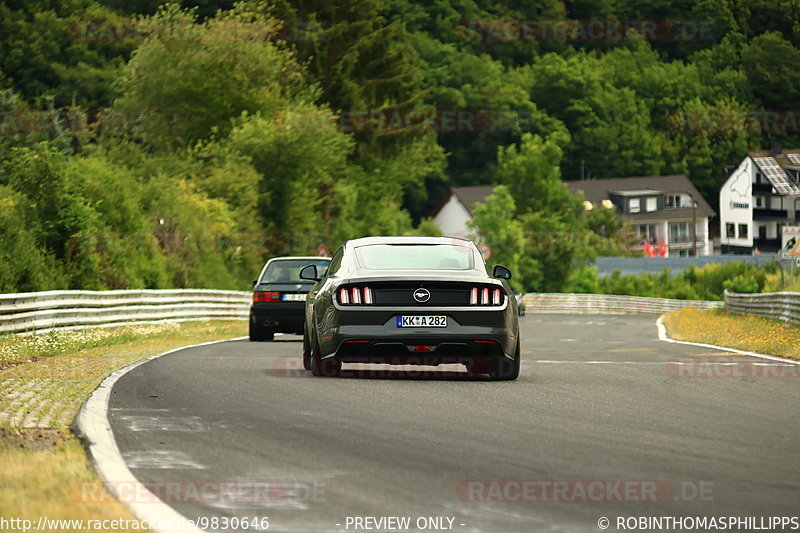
411 300
279 297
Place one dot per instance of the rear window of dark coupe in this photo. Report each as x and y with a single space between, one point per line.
415 257
288 270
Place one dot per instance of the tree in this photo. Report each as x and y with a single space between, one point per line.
192 83
504 235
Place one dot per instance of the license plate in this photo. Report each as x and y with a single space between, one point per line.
438 321
294 297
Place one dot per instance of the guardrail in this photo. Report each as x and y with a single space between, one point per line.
36 311
57 309
607 304
781 305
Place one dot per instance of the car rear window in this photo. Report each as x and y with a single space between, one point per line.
415 257
288 270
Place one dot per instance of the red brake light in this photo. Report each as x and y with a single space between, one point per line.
496 297
485 296
344 297
473 296
266 296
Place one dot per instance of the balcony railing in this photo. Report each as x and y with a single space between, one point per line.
763 213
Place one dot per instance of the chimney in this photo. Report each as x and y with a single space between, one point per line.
777 149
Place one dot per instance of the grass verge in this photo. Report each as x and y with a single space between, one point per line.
44 379
750 333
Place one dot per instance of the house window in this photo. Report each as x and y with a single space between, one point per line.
743 230
679 232
651 204
646 232
730 230
759 201
673 201
633 205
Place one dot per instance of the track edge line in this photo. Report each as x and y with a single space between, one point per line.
663 336
94 429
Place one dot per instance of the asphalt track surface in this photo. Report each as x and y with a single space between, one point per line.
605 420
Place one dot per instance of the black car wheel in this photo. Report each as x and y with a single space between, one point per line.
320 367
258 334
505 370
306 349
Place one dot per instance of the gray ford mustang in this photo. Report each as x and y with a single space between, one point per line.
411 300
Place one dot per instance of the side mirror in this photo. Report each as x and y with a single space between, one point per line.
501 272
310 273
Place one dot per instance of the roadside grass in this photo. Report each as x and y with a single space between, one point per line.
751 333
44 379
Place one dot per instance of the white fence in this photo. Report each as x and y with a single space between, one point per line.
57 309
781 305
607 304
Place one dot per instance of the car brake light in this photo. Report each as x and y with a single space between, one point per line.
473 296
266 296
355 295
496 297
421 348
485 296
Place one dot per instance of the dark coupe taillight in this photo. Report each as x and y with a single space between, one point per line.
266 296
355 295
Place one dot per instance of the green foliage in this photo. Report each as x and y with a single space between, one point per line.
505 238
183 88
148 145
706 283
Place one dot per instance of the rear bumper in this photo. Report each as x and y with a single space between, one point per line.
470 336
281 317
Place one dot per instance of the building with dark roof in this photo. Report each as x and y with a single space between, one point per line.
667 212
760 198
663 210
455 210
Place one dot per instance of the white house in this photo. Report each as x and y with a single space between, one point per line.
455 210
761 196
660 208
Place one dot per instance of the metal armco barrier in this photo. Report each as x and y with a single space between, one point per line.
607 304
55 309
781 305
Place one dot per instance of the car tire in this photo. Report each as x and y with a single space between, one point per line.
259 334
306 349
322 368
505 370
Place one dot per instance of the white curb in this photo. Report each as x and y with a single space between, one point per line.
93 425
662 336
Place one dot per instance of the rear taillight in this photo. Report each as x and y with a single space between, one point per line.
486 296
266 296
355 295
